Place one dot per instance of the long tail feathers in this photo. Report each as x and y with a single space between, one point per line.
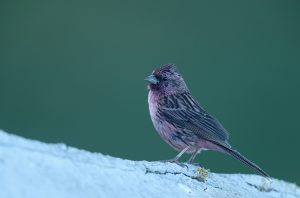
243 159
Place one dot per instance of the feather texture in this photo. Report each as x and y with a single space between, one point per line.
183 111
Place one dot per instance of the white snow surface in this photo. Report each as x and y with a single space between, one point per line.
32 169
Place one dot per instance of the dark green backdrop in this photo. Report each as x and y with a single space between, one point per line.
72 72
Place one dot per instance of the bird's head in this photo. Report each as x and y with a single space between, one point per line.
166 80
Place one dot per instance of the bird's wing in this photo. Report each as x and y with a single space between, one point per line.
183 111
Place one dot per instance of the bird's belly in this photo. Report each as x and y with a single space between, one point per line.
170 134
174 137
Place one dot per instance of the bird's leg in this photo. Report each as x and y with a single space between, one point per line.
190 161
192 157
176 158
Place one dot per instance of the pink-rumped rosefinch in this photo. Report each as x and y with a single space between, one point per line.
182 122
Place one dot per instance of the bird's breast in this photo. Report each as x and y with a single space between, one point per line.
152 102
164 128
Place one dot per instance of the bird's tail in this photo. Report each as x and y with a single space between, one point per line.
243 159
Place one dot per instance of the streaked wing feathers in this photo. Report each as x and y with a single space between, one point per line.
183 111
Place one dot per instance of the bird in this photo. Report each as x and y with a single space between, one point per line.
182 122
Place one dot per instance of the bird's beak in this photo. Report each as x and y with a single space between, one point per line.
151 79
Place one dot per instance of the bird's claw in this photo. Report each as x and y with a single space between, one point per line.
194 164
175 161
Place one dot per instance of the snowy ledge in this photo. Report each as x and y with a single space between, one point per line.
32 169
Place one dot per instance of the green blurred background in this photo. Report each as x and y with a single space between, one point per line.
72 72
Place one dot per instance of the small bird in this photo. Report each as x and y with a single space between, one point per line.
182 122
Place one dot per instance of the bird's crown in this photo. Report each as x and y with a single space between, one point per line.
167 68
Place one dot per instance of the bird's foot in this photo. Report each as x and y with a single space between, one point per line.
175 161
194 164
